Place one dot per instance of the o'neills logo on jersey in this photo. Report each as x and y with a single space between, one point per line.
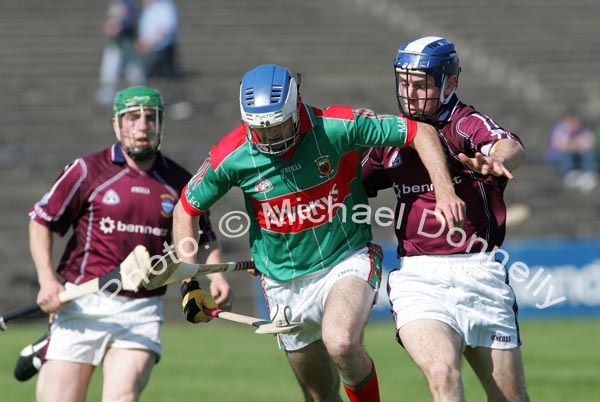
324 165
300 211
264 186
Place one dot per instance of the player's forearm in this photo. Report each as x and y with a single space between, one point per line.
428 145
40 247
185 234
510 152
209 253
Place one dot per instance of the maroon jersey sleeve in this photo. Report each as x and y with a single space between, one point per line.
62 204
374 178
479 130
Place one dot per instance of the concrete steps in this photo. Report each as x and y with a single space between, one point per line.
523 62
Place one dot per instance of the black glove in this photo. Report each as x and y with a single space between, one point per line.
194 300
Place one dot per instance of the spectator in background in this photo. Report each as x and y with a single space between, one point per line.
119 54
157 38
572 146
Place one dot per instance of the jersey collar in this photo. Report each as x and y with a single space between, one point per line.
306 120
448 110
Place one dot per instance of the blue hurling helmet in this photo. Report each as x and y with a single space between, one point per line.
268 97
436 59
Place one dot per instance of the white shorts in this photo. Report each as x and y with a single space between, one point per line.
84 328
469 292
306 295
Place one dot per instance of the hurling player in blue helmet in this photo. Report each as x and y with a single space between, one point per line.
451 296
297 167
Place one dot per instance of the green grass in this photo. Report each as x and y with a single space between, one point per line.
223 362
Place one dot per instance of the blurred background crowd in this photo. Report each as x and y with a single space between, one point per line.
532 65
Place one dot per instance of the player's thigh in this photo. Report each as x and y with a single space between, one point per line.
126 373
315 371
432 344
347 309
62 381
500 372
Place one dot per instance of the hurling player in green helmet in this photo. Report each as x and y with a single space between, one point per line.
143 141
113 200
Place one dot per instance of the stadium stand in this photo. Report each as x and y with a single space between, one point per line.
523 62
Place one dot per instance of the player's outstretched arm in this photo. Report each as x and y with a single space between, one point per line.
505 156
448 204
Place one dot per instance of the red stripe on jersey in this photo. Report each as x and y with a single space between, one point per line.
336 112
228 144
371 263
365 112
411 131
305 122
308 208
187 207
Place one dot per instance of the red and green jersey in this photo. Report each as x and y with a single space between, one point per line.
307 208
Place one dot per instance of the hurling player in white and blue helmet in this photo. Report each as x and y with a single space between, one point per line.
450 296
298 168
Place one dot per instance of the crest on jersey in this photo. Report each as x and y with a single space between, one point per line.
324 165
167 204
396 159
264 186
111 197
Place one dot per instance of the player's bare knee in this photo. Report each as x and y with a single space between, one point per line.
442 377
341 346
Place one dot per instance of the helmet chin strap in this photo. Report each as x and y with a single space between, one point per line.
141 154
445 99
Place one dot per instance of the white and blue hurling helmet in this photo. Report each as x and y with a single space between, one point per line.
432 56
268 97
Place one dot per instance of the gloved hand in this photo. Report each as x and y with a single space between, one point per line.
194 300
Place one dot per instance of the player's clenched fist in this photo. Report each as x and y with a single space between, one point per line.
194 300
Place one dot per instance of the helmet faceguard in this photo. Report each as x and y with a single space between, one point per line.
269 97
434 59
140 99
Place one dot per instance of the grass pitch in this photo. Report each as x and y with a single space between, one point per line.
224 362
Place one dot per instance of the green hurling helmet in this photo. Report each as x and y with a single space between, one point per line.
140 99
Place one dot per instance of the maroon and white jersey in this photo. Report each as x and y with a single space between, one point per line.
112 208
462 130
